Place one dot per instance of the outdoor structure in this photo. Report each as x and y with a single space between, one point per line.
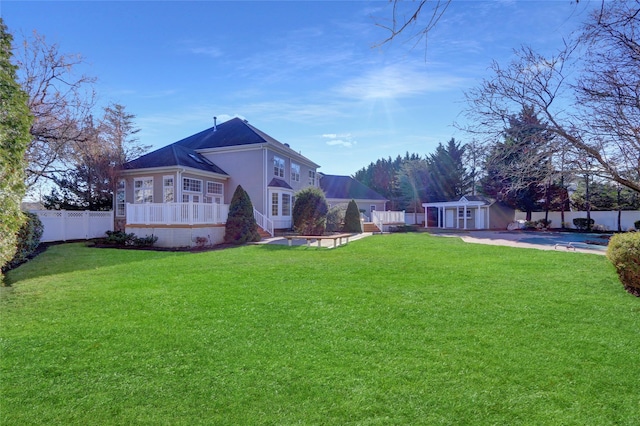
181 192
340 190
470 212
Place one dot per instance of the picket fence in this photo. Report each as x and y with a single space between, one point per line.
65 225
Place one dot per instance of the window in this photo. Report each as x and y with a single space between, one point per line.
168 193
274 204
214 188
190 198
295 172
278 166
312 177
120 198
461 213
143 190
191 185
286 205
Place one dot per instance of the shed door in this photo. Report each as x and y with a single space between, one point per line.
448 219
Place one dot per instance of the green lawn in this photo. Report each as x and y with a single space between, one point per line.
395 329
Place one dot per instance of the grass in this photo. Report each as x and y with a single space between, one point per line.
399 329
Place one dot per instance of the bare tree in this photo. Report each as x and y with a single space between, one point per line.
59 100
597 114
407 18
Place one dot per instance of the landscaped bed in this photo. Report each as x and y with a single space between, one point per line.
391 329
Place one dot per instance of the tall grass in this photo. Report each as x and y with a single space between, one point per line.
400 329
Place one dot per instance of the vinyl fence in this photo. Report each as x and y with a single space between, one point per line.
606 219
64 225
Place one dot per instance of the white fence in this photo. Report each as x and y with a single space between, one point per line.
64 225
383 219
177 214
607 219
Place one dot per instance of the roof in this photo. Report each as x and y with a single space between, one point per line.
173 155
232 133
347 188
279 183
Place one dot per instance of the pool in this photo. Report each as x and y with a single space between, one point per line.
585 240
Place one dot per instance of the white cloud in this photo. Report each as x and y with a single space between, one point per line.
397 81
334 139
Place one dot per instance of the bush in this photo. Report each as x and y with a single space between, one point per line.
637 224
352 218
624 253
28 240
335 219
403 228
241 226
310 211
582 223
122 239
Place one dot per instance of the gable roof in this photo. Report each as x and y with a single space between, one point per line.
173 155
347 188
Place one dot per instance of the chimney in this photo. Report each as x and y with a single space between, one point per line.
215 126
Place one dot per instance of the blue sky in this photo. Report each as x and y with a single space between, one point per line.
307 73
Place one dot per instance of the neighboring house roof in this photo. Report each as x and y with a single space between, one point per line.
173 155
347 188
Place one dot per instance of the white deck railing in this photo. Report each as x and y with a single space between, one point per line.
263 221
177 214
381 218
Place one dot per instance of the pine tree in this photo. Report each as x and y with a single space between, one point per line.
15 122
352 218
241 226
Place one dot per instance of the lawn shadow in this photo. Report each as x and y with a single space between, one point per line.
68 257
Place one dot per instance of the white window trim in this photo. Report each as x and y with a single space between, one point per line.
213 183
121 208
295 172
165 187
190 191
278 166
143 188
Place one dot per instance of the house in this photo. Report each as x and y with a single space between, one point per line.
180 193
340 190
469 212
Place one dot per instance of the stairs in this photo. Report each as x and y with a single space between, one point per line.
264 234
370 227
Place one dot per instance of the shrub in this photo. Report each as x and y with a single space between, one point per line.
624 253
241 226
335 219
28 239
637 224
310 211
122 239
403 228
582 223
119 238
146 241
352 218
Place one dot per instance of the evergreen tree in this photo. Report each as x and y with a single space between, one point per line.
518 169
310 211
352 218
15 122
448 178
241 226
